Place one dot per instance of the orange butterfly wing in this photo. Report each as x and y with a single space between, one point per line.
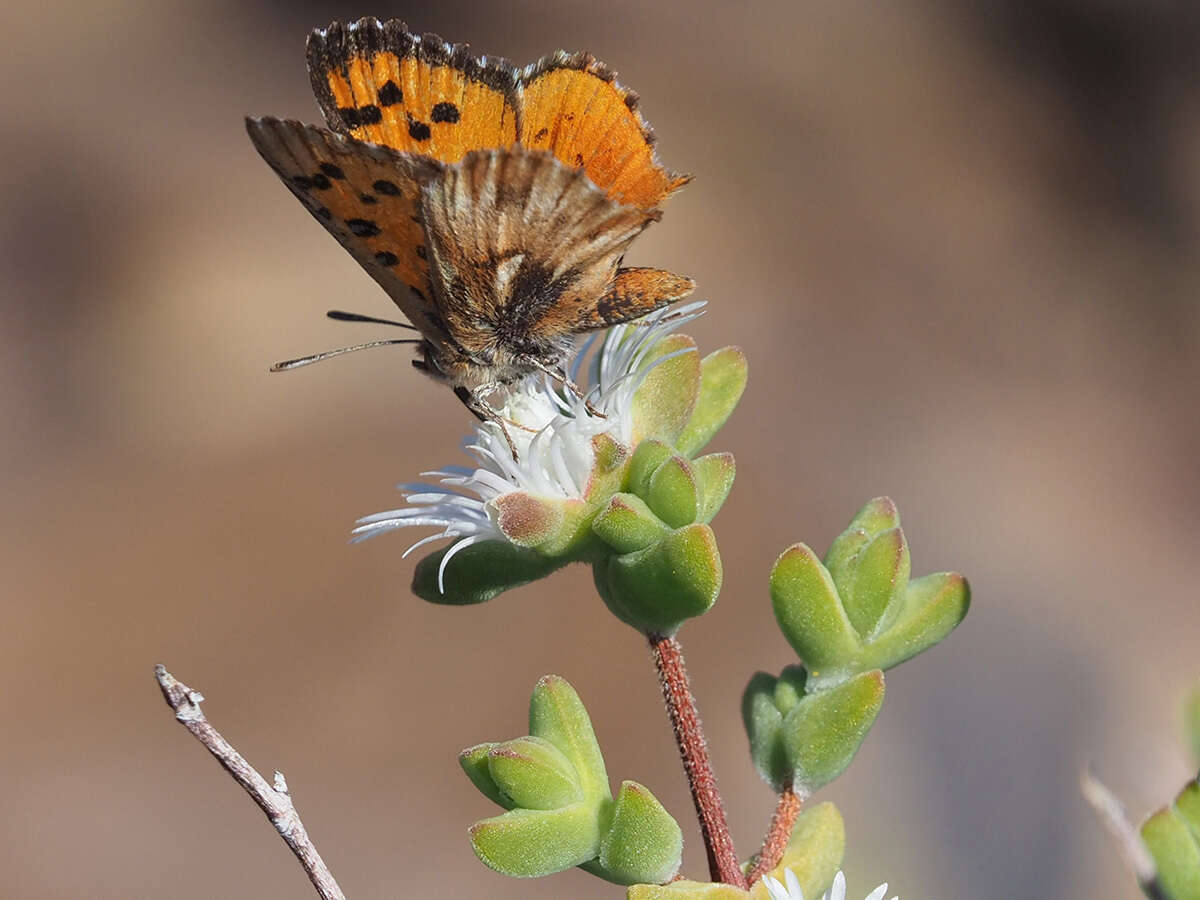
366 196
573 107
378 82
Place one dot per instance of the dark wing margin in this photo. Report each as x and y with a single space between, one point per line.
380 82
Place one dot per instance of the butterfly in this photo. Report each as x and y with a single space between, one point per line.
492 204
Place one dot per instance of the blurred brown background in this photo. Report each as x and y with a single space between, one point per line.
959 242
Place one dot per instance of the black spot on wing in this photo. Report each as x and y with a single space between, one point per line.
382 186
321 182
333 171
368 199
386 258
418 131
390 94
356 117
363 227
445 112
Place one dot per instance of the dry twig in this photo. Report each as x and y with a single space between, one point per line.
275 800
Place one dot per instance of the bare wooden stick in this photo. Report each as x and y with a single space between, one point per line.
275 801
693 750
778 835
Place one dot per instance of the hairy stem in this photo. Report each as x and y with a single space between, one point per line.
778 834
689 735
275 800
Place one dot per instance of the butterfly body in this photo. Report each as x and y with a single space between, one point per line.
493 205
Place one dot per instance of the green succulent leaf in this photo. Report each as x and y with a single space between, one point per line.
790 688
608 468
763 721
723 376
932 608
663 405
876 582
814 852
1187 804
823 732
474 761
715 473
674 492
686 890
627 524
649 455
1176 851
527 843
657 589
533 774
558 716
643 844
876 517
479 572
810 613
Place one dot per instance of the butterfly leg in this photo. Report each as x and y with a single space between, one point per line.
557 374
476 401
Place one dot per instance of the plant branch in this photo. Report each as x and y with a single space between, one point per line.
693 750
778 835
275 801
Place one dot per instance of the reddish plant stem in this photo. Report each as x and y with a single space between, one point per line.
778 835
723 863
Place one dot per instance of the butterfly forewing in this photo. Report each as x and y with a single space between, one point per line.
573 107
379 82
368 197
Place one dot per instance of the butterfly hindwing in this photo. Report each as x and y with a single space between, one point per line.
573 107
525 243
367 197
634 292
379 82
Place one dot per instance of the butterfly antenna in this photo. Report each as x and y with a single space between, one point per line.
317 357
342 316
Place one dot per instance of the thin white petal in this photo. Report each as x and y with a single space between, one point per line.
793 885
450 554
878 893
775 889
838 891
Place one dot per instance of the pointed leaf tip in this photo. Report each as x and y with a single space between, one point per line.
809 611
644 843
723 376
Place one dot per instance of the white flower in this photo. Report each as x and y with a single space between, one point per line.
555 455
792 890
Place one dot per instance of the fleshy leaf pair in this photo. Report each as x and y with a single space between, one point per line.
807 739
814 855
859 610
561 812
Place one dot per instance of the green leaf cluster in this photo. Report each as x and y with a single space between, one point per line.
561 812
848 617
860 610
643 523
